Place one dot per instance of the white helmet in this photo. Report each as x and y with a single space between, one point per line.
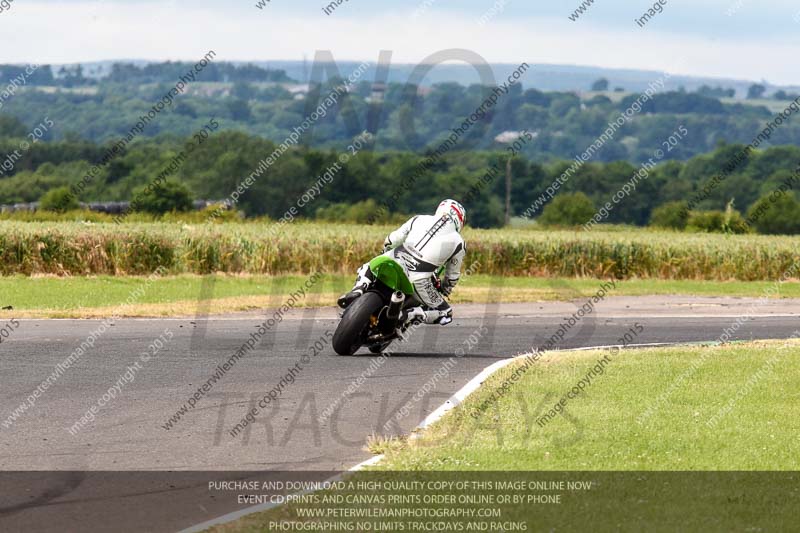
456 212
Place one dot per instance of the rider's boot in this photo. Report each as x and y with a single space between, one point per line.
346 299
430 316
363 280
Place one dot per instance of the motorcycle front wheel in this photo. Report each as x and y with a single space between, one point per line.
352 331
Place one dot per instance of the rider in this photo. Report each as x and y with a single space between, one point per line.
421 246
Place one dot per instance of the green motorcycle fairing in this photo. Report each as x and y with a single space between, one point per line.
391 274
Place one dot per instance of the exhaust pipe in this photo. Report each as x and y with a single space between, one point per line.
395 306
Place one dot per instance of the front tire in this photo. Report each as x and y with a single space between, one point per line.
352 329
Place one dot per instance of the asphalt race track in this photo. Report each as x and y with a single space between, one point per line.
83 480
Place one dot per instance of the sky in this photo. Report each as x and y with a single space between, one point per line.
743 39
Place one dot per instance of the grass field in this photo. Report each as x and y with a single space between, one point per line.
100 296
638 415
74 248
675 439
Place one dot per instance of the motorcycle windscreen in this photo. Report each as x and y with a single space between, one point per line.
391 274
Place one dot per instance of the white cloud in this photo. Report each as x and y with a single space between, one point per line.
84 31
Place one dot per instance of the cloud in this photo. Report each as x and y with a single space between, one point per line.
87 31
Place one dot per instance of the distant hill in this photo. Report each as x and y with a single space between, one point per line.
544 77
541 76
103 102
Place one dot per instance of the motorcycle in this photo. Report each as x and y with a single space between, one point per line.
376 318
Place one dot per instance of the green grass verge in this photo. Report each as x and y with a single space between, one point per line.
103 291
643 413
696 462
178 295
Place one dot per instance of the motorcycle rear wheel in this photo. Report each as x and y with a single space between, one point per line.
352 331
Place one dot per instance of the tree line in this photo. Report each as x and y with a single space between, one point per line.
213 166
400 117
128 73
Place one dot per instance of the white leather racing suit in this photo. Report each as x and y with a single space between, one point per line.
421 246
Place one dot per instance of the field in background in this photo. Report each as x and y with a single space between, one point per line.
102 296
81 248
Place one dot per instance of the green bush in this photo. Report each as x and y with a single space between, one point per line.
363 212
357 212
715 221
707 221
59 200
489 212
214 213
775 215
568 209
673 215
162 198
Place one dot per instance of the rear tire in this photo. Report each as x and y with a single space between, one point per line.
351 331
